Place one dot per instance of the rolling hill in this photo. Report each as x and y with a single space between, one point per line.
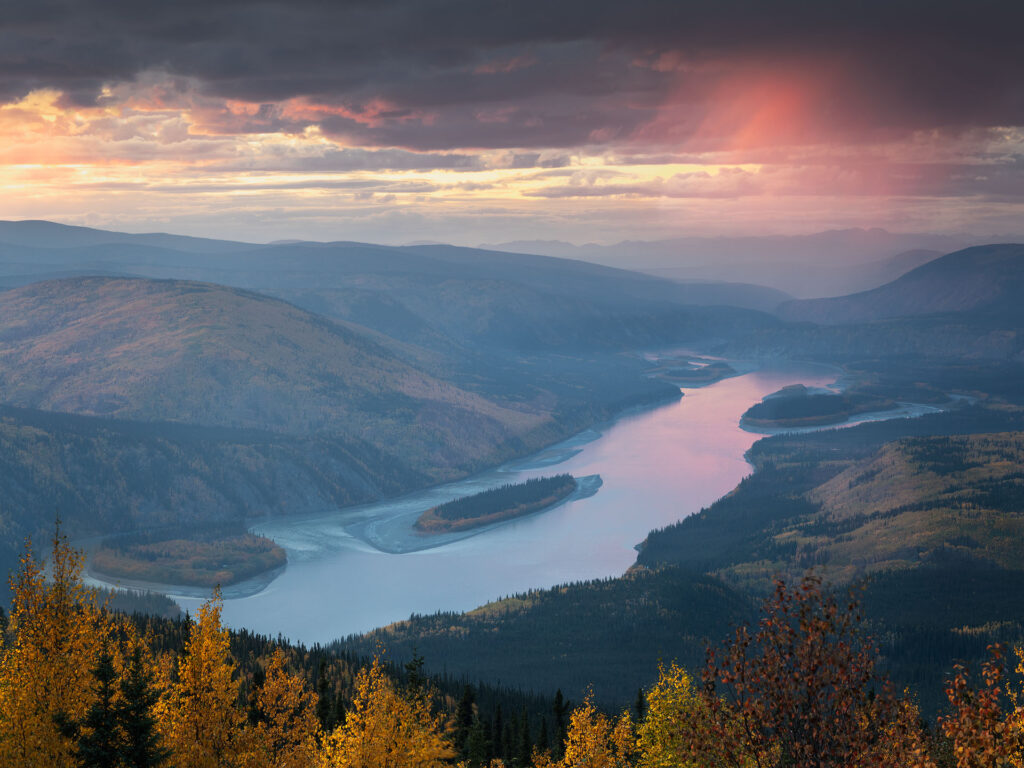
981 281
160 350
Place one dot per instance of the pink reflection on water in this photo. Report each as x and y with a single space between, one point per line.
657 467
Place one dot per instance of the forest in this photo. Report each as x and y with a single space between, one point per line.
502 503
800 686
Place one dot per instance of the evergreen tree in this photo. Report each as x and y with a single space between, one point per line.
416 680
561 708
325 700
259 677
542 737
478 746
641 705
497 730
524 747
463 719
142 747
97 736
487 739
508 739
338 713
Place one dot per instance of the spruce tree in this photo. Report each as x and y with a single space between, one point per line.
325 700
641 705
487 739
259 677
561 709
97 735
524 746
497 730
542 737
478 747
416 681
509 736
463 719
141 747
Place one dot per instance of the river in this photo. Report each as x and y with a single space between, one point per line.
355 569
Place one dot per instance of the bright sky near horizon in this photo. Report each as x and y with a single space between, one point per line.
473 122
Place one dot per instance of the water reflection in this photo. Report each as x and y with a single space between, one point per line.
657 466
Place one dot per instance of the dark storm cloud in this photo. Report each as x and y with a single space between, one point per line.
462 73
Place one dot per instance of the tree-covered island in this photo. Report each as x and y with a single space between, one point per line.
503 503
796 406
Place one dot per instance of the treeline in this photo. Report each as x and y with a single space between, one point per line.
80 687
573 635
509 500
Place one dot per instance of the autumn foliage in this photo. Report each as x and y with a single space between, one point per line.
80 687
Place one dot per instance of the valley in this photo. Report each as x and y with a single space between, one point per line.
323 419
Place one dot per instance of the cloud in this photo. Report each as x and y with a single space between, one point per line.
450 74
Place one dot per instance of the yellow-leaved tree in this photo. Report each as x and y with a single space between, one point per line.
45 672
671 702
199 718
287 733
386 728
595 741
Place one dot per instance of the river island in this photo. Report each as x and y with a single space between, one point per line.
497 504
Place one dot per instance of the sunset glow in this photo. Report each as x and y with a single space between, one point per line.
662 140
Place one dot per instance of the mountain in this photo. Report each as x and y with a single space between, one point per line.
824 264
131 403
48 234
161 350
983 280
432 296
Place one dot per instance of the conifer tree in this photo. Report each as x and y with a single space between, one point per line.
478 747
97 737
416 680
641 705
142 746
523 744
497 731
325 700
561 709
543 740
463 719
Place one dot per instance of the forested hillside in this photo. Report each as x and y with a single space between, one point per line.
105 690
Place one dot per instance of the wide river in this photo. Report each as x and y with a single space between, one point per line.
351 570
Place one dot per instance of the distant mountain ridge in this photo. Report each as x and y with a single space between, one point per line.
984 280
49 234
829 263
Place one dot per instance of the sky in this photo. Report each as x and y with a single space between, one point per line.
484 121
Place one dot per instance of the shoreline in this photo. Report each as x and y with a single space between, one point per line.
260 582
373 530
